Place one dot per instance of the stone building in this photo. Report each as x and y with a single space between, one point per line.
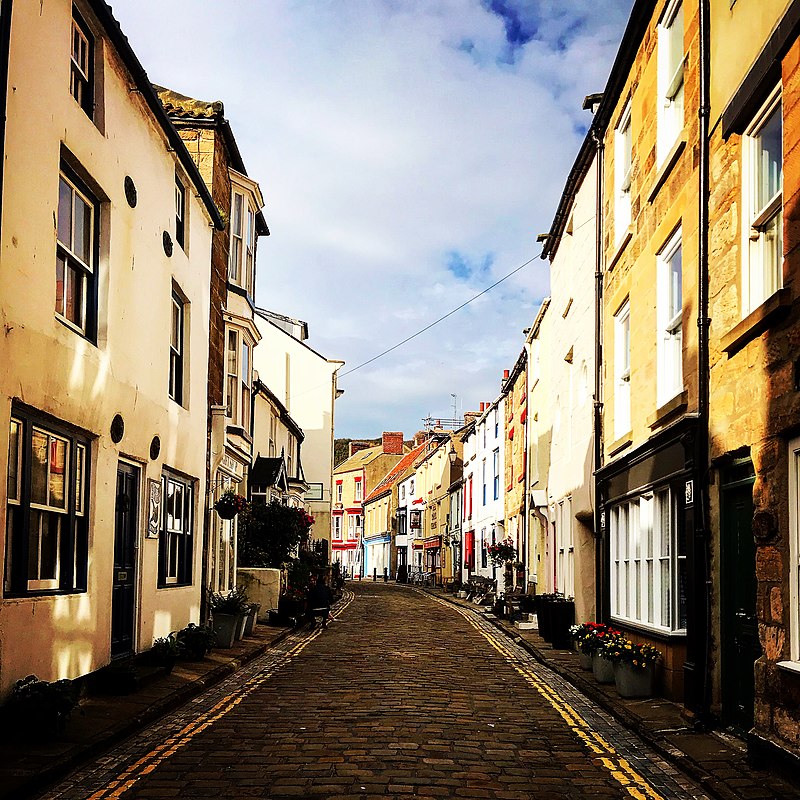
233 334
105 279
754 260
651 580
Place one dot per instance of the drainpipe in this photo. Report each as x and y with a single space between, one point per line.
702 528
5 45
601 607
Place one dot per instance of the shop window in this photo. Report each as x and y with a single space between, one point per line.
47 512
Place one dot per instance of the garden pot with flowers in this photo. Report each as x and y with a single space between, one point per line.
634 667
602 660
585 639
230 504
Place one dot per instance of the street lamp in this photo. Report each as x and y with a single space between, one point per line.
452 455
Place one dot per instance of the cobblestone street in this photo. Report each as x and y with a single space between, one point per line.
403 695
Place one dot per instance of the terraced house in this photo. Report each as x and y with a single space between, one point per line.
105 491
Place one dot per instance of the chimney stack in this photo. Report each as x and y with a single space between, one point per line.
393 443
357 447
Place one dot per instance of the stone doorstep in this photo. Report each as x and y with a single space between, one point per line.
671 743
44 765
526 626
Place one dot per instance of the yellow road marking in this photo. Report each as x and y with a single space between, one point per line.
117 787
619 769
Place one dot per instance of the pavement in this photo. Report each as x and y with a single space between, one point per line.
717 760
400 697
100 721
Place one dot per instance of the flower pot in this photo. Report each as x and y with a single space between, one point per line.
241 621
225 626
584 660
602 668
634 682
251 619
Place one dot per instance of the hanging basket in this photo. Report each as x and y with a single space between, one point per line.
230 504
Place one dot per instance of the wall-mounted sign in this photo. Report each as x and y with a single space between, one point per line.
232 465
689 493
153 508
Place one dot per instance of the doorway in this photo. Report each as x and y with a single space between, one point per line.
123 594
739 629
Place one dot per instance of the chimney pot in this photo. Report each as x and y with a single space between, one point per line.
505 374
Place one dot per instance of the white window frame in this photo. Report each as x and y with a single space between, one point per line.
565 548
242 240
359 490
623 169
646 562
180 213
794 552
669 344
81 55
337 528
232 357
177 339
622 370
245 382
762 263
670 118
339 490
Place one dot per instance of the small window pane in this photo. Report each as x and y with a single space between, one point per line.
14 461
57 495
64 213
73 307
80 468
675 281
769 148
39 447
50 528
82 238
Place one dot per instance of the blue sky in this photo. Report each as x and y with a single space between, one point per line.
409 152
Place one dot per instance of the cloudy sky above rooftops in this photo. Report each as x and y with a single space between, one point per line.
409 152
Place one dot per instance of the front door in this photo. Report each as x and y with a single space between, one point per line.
740 645
123 595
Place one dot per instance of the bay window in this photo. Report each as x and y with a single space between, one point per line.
242 242
47 511
238 379
648 562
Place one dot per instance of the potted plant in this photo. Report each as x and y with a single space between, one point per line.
230 504
41 708
195 641
227 615
501 552
634 667
165 652
252 618
589 638
602 662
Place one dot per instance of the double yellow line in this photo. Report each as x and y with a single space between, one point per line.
151 760
603 752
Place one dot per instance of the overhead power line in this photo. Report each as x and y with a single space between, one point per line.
441 319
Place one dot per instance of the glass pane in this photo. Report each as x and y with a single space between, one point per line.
58 473
73 309
51 527
170 506
675 43
82 240
245 363
675 281
61 268
236 257
80 460
665 606
769 159
39 446
175 335
233 358
13 460
773 255
237 215
65 213
33 545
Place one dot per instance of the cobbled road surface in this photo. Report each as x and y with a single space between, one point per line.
403 695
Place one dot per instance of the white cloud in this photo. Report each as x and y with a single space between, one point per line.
382 145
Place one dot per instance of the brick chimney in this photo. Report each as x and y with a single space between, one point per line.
419 438
393 443
482 408
505 374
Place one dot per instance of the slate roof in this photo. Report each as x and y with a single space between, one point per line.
396 472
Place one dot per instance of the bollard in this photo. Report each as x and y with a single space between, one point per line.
374 574
385 575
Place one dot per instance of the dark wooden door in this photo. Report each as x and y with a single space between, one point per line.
740 645
123 596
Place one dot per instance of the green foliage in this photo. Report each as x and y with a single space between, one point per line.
165 650
269 533
41 706
234 602
195 641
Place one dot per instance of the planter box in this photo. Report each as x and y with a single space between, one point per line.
225 627
562 617
251 620
241 621
603 669
632 682
584 660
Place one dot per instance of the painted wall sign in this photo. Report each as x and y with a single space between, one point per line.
153 508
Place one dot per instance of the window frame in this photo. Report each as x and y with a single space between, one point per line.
337 527
760 280
177 349
85 74
180 212
496 471
623 152
669 345
70 562
242 252
65 253
622 370
670 119
176 545
646 564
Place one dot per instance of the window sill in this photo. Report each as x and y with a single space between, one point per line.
790 666
641 627
669 163
772 310
670 409
620 248
626 440
236 430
